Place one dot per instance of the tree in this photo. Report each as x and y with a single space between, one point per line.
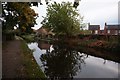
76 3
62 19
18 14
62 61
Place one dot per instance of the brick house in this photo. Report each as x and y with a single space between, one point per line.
111 29
102 32
95 29
43 33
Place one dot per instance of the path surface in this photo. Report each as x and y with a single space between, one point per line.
11 60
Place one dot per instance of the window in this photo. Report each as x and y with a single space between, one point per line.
96 32
108 31
116 32
91 32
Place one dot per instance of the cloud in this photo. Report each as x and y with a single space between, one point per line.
99 12
41 10
94 11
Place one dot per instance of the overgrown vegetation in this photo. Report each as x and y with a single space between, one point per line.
17 15
32 70
109 43
63 19
29 38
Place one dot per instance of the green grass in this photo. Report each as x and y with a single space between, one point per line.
32 69
28 38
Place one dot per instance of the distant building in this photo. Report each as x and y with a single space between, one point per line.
112 29
43 32
95 29
102 32
108 29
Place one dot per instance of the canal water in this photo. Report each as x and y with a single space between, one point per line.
59 60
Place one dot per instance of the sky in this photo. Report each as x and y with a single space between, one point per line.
95 12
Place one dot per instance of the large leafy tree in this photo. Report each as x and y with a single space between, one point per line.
62 19
18 14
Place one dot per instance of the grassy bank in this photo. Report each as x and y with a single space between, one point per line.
112 45
101 45
29 38
107 55
32 70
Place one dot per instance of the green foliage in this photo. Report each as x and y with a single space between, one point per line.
62 19
85 32
29 38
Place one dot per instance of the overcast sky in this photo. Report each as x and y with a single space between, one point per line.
94 11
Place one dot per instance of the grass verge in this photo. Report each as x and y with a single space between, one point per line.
28 38
32 70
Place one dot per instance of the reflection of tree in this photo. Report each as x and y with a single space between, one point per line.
62 62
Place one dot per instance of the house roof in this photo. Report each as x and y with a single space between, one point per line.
42 31
94 27
45 31
111 27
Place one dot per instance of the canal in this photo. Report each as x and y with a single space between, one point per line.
63 61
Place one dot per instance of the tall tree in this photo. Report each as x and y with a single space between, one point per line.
62 19
18 13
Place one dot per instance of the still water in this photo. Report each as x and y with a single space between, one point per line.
59 60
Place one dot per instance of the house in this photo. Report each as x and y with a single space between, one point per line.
43 33
95 29
102 32
111 29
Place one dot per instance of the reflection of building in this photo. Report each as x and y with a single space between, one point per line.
43 45
95 29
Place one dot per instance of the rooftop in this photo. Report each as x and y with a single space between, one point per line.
94 27
113 27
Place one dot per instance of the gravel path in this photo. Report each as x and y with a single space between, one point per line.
11 60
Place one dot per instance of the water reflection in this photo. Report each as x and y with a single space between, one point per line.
44 45
62 62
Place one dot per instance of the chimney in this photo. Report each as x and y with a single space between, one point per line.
105 29
105 23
